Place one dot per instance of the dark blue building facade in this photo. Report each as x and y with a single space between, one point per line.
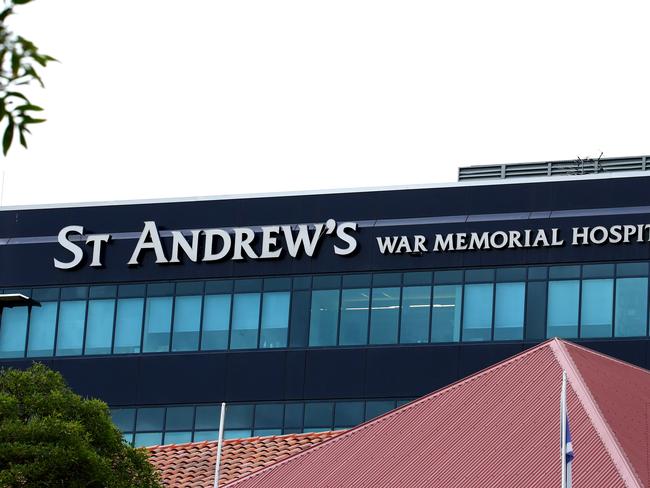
318 311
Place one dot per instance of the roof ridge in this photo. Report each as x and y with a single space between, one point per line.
603 429
398 411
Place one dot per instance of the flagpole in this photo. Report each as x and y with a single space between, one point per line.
219 445
563 429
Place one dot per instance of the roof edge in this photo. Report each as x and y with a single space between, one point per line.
607 436
333 191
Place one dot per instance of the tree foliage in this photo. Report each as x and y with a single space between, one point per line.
19 61
51 437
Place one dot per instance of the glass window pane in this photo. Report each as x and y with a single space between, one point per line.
631 307
157 324
207 417
300 302
237 434
416 309
99 327
354 316
124 418
445 320
509 309
239 417
178 437
128 325
206 435
187 322
376 408
150 419
275 319
562 311
13 332
269 416
245 320
324 317
597 308
477 312
266 432
41 330
348 414
293 414
179 418
319 415
384 317
148 439
216 321
70 337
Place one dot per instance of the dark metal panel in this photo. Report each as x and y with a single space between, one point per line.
335 373
255 376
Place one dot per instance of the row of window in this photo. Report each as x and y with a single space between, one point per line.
147 426
384 308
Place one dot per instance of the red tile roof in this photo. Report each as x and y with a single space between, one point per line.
191 465
497 428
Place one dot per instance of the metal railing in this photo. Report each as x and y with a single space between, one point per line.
554 168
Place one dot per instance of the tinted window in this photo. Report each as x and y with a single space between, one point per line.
445 321
597 308
13 331
416 309
631 307
354 316
324 317
128 325
216 321
385 314
562 308
157 324
477 312
245 320
41 330
187 322
275 319
72 317
509 308
99 327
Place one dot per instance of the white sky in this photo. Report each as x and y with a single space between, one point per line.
155 98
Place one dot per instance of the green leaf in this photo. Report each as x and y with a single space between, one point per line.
8 137
21 134
6 13
27 107
29 120
17 95
21 2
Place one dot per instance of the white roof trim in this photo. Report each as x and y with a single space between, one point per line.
334 191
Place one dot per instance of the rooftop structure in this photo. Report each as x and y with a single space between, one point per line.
578 166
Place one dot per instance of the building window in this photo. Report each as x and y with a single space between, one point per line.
562 308
384 318
324 317
187 323
447 306
42 325
13 332
128 325
631 307
416 312
99 327
597 308
477 312
354 317
275 319
157 324
216 322
509 306
245 320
